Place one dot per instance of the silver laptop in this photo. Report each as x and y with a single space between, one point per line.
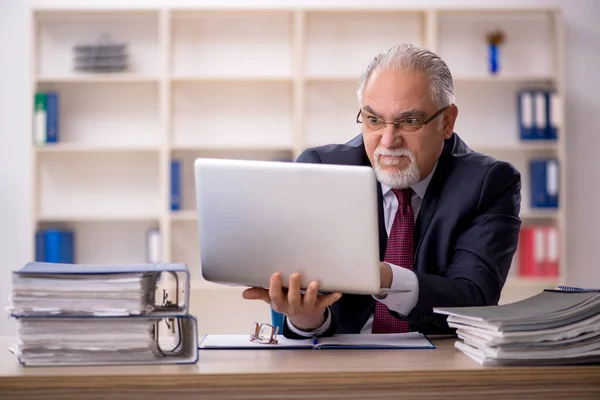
256 218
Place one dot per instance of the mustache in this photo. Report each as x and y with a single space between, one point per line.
394 152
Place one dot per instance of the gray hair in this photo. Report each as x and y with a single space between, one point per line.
412 58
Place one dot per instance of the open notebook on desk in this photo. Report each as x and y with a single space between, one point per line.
411 340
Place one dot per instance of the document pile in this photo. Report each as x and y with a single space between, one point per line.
555 327
75 314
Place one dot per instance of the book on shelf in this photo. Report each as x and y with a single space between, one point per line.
175 185
554 327
538 114
538 251
544 181
46 117
79 314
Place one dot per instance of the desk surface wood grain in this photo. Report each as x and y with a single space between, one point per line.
331 374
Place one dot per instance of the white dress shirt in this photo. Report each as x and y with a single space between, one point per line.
402 278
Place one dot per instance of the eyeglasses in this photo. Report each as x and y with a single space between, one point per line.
409 126
264 333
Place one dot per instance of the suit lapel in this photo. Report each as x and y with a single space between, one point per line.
381 217
430 200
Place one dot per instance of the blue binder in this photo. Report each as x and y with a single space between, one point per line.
536 111
175 185
552 115
55 246
525 114
52 118
544 183
40 246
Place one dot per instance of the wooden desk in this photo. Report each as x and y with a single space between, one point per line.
302 374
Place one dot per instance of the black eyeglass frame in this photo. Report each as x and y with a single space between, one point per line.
395 123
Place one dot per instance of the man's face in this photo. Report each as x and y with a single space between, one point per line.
402 158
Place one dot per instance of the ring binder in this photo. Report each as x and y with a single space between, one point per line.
74 314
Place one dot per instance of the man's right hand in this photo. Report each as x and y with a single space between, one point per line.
305 311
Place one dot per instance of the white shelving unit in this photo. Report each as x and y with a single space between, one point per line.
255 84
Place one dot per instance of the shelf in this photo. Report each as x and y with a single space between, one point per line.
232 114
98 217
331 113
230 43
534 281
530 146
341 43
185 215
111 113
254 84
99 78
228 150
107 241
503 78
98 184
94 148
201 284
230 78
462 42
59 32
539 214
487 113
333 79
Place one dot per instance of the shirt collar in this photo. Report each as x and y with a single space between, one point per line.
419 188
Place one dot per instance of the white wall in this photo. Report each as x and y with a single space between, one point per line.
582 42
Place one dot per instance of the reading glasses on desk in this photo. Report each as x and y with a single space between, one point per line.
264 333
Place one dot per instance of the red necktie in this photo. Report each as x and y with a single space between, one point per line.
399 252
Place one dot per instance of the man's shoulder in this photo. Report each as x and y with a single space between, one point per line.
473 162
349 153
483 164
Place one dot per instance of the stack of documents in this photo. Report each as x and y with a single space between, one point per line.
75 314
96 294
50 341
555 327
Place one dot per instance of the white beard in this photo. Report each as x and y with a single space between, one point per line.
397 179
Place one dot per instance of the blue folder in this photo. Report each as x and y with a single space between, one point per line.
544 181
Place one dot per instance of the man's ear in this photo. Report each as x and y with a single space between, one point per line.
450 116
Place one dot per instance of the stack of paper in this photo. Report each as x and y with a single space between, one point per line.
551 328
48 341
97 294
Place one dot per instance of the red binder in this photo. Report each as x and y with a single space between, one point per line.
531 251
538 251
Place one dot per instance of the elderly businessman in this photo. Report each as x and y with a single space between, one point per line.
448 216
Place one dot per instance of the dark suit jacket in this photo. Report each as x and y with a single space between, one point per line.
466 234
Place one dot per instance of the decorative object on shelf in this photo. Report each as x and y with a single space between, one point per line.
494 40
103 56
